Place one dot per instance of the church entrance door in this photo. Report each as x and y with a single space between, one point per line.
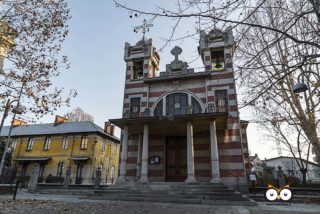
176 159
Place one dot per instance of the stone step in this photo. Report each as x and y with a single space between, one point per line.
166 187
140 191
295 198
161 192
229 202
138 195
170 185
222 201
167 190
149 199
167 193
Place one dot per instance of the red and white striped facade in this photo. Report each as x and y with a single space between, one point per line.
232 149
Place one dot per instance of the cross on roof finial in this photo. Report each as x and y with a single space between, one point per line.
145 28
176 51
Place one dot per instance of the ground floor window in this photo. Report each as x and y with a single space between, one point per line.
60 169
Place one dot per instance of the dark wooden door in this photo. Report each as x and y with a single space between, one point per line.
80 166
176 159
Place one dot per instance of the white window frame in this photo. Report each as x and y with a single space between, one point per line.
14 143
64 142
103 145
84 142
47 143
30 144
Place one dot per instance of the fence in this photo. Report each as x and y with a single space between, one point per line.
8 175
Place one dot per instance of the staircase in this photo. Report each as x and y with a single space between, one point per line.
200 193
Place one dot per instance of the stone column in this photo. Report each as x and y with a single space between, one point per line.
32 185
138 175
215 169
145 154
124 155
67 177
97 178
190 154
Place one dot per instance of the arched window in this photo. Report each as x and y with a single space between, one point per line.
159 109
177 104
196 107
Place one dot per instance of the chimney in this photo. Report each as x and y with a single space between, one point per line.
109 128
18 122
59 120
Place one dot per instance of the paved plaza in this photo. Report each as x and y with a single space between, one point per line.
43 203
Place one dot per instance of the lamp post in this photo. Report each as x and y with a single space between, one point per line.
16 110
301 86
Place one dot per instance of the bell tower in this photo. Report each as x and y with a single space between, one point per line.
216 49
142 60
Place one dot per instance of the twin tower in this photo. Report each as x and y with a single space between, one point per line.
216 49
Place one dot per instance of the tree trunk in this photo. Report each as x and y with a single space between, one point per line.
310 129
316 151
304 175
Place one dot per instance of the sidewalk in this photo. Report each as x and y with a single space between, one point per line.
43 203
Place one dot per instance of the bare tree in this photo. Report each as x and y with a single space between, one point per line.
292 137
78 115
208 14
36 30
267 64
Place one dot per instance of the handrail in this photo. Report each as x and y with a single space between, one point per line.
233 175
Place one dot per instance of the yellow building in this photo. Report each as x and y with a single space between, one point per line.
82 146
6 41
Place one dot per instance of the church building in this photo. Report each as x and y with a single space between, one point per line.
179 125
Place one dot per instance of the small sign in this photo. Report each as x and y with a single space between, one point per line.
154 160
252 177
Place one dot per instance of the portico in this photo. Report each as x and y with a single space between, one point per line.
153 133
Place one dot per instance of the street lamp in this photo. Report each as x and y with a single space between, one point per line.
16 110
301 86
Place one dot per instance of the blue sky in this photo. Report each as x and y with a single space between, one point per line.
95 45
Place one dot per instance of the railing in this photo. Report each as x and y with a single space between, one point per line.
210 109
8 175
233 175
214 108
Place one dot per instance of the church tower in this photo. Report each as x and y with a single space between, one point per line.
142 62
216 49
